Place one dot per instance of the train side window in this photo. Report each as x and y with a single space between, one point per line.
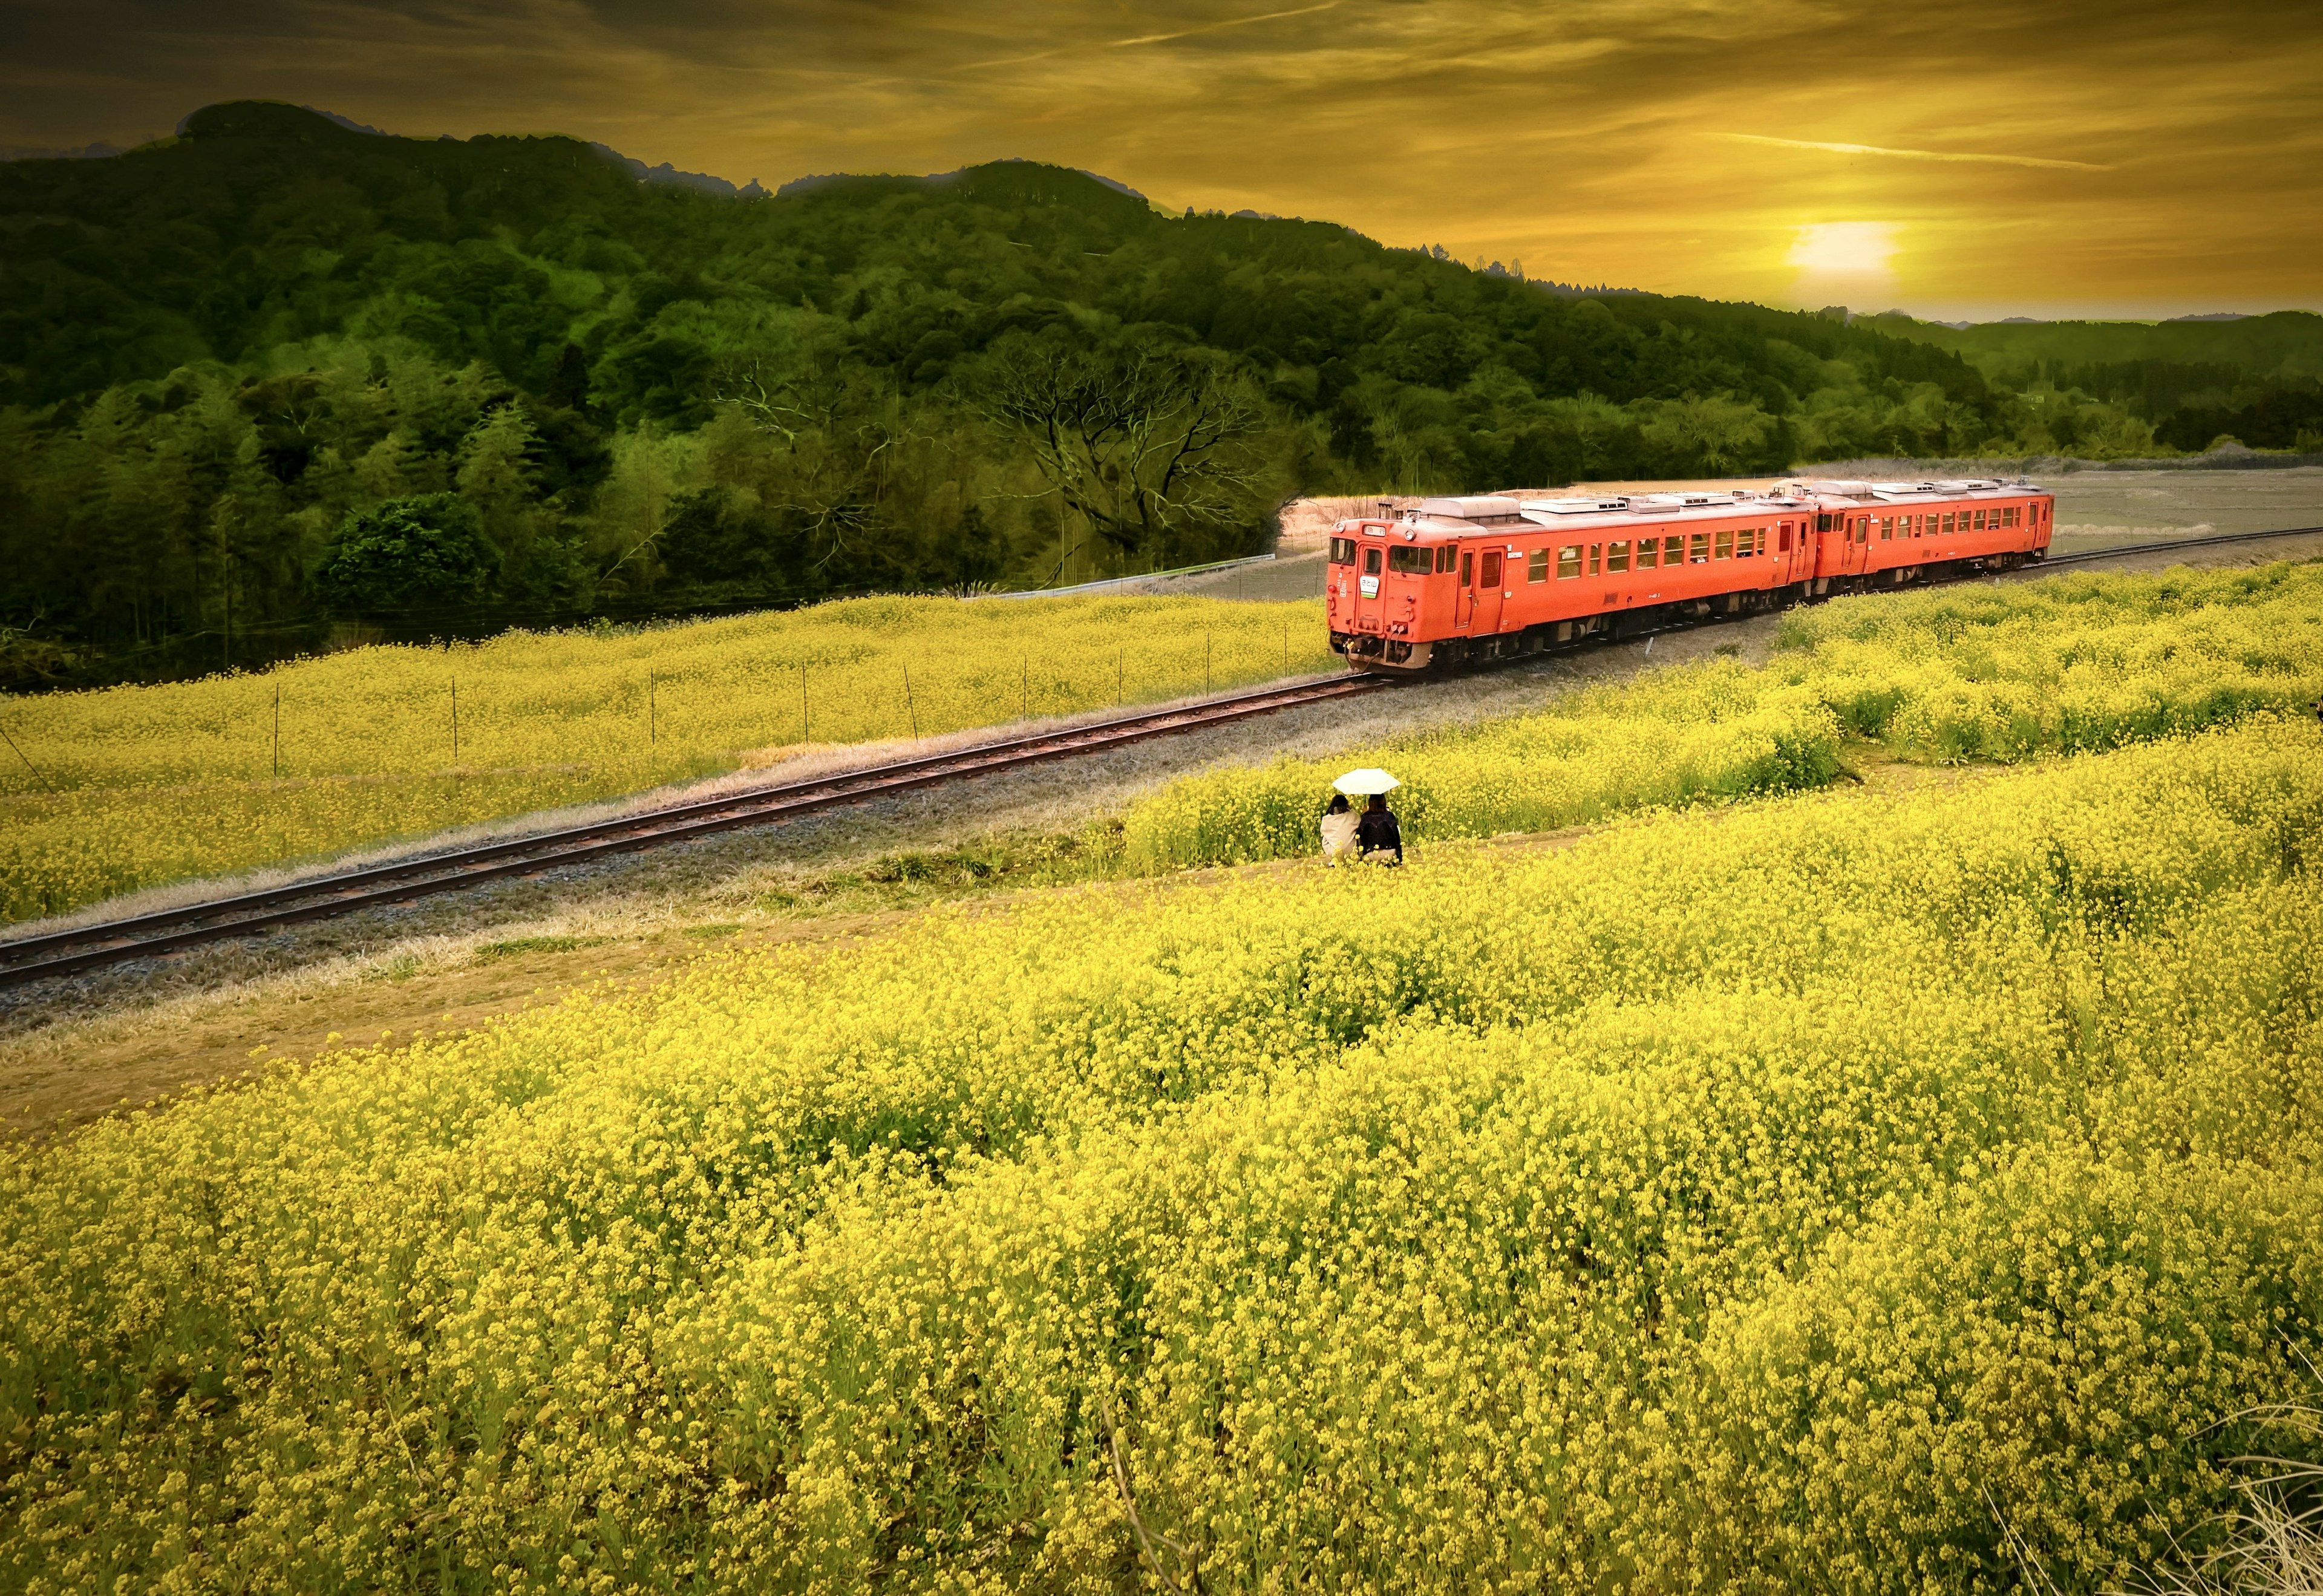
1467 568
1343 550
1491 570
1948 523
1443 557
1371 562
1649 552
1568 562
1617 557
1697 551
1597 552
1536 565
1723 548
1672 551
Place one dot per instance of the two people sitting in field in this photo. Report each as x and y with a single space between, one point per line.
1373 835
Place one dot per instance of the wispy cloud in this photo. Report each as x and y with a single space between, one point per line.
1947 155
1236 22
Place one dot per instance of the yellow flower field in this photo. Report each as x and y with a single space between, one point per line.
2069 663
133 786
1845 1191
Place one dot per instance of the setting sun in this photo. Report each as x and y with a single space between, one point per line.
1844 249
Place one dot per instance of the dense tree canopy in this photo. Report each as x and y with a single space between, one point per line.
222 357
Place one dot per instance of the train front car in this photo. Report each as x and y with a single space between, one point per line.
1468 579
1396 585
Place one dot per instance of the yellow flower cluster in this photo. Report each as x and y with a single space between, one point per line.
1823 1196
2072 661
1673 738
133 786
2069 663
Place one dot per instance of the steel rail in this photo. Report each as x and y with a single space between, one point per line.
2080 555
88 947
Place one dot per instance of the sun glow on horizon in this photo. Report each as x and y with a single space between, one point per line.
1844 249
1844 260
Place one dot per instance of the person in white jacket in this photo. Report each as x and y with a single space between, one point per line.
1338 831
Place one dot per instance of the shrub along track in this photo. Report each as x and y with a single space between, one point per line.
80 948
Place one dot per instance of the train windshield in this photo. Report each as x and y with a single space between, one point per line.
1343 550
1408 561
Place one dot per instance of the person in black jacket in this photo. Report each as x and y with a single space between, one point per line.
1377 836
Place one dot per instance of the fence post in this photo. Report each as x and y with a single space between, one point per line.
1207 640
277 730
802 724
1121 678
455 720
1025 685
652 718
909 707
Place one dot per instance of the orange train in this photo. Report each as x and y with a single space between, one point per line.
1459 581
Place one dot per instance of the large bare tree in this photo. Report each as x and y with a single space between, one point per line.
1141 446
838 439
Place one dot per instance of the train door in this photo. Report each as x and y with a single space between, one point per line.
1491 582
1370 580
1464 590
1844 540
1795 549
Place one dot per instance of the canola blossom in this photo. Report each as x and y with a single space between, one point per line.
129 788
2068 664
1843 1190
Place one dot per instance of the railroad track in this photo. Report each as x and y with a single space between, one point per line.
91 947
2087 554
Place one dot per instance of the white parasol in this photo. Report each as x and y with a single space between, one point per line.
1361 782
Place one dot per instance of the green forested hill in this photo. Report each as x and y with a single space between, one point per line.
2257 379
2285 346
274 373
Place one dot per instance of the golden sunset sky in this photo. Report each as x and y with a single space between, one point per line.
2136 157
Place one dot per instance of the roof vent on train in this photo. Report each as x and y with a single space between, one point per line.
1486 509
1573 506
